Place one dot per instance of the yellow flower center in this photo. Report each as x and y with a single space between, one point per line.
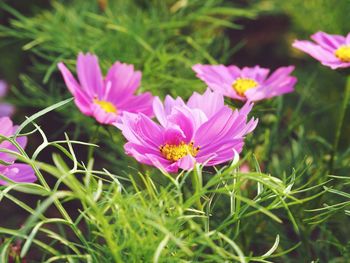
175 152
106 106
343 53
241 85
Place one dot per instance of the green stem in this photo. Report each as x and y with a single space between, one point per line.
340 124
196 177
92 140
197 185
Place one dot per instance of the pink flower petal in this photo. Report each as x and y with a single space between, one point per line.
256 73
3 88
138 104
89 74
6 109
210 102
327 41
315 51
124 81
18 172
219 78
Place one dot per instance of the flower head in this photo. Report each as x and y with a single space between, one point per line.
252 84
106 99
17 172
189 133
331 50
5 108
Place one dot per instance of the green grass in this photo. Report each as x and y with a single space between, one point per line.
95 204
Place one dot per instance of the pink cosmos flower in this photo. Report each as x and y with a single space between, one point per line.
331 50
5 108
193 133
252 84
106 99
17 172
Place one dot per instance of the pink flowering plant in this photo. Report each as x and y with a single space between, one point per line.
203 131
252 84
155 131
106 99
331 50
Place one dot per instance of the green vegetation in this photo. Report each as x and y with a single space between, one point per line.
95 204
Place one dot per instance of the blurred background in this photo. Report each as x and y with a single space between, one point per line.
164 39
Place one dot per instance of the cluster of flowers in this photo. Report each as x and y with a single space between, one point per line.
202 130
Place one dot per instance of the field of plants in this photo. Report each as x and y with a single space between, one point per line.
174 131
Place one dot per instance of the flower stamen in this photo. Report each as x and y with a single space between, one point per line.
175 152
241 85
343 53
106 106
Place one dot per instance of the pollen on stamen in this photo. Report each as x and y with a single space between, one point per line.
175 152
343 53
106 106
241 85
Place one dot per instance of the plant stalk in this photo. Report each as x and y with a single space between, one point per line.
340 124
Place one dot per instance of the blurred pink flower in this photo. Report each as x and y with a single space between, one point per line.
331 50
244 168
6 109
252 84
106 99
17 172
187 135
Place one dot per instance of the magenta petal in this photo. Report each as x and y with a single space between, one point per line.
256 73
159 111
142 153
164 165
224 151
184 122
336 64
280 82
7 129
327 41
126 125
215 128
173 135
347 40
187 162
138 104
315 51
3 88
279 75
207 151
170 103
89 74
102 116
6 109
195 116
124 81
219 78
210 102
83 103
82 99
70 81
141 130
18 172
